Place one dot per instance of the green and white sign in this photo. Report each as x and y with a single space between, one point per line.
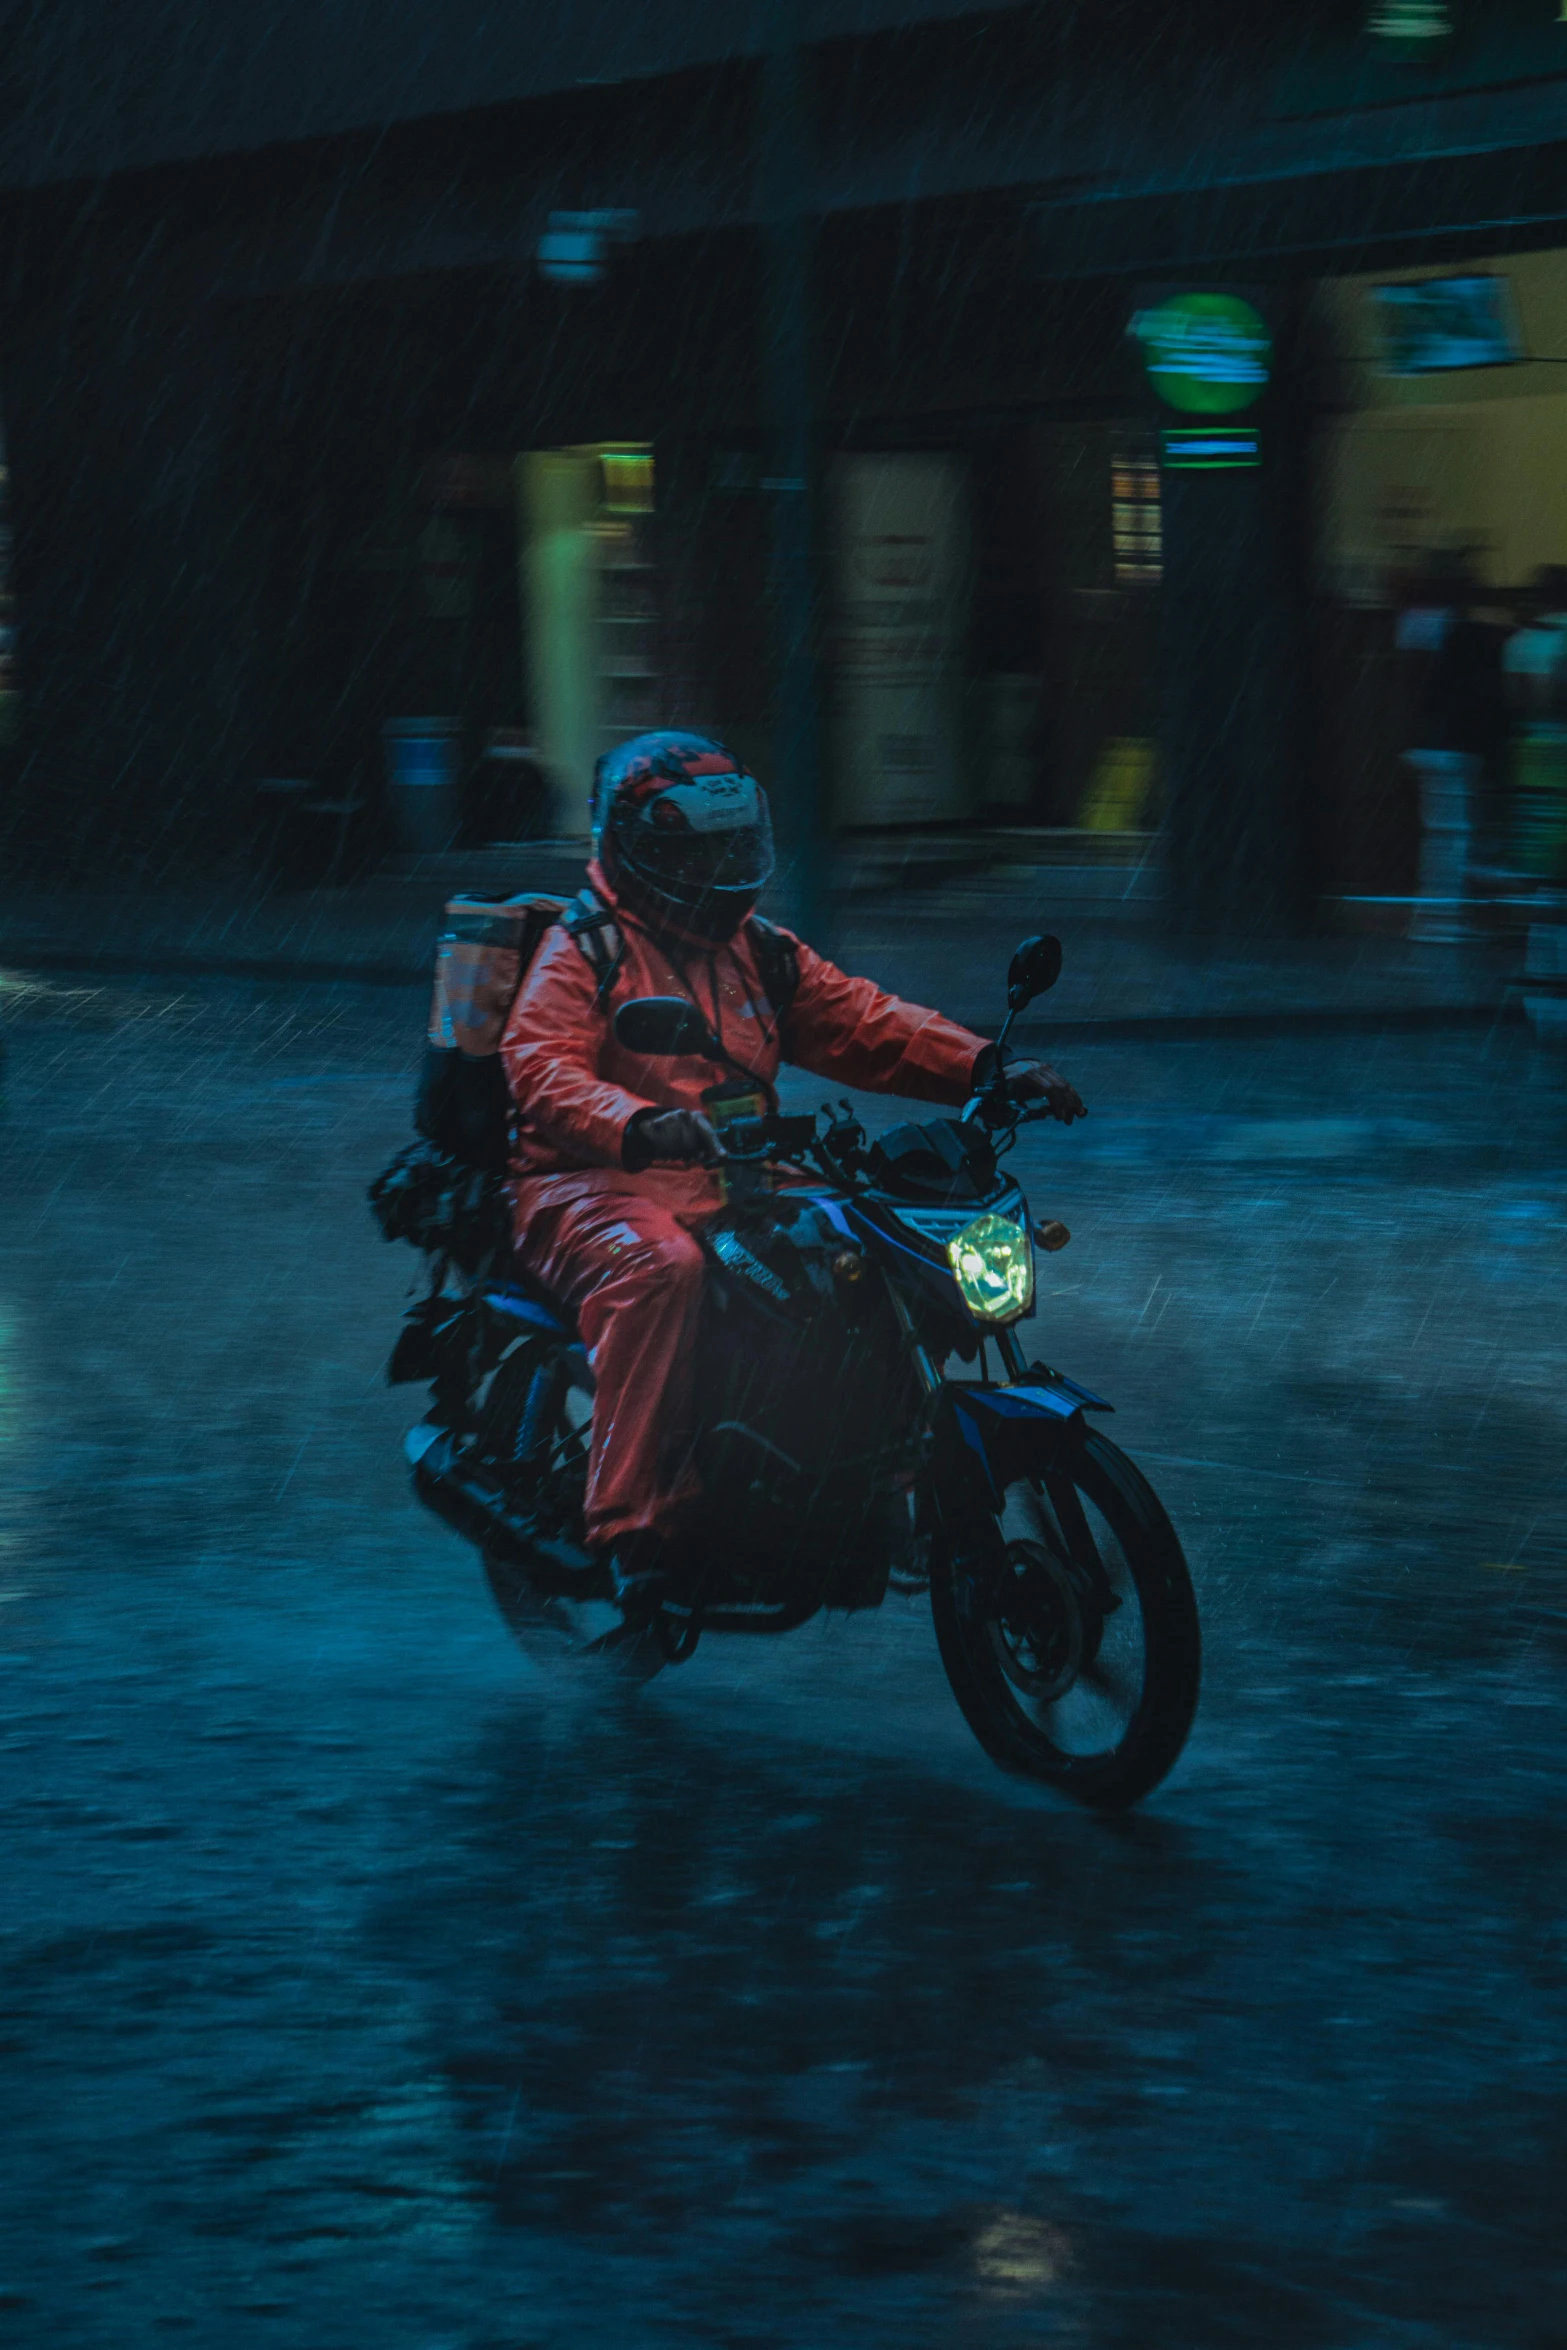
1411 28
1206 354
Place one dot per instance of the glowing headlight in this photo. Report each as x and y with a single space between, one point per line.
993 1259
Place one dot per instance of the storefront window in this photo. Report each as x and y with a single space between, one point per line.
1136 524
629 696
628 481
1444 613
900 533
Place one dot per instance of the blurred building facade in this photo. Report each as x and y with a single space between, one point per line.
350 375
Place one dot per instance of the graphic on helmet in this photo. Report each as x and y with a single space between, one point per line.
682 831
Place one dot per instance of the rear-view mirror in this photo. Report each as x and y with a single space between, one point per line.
662 1027
1035 967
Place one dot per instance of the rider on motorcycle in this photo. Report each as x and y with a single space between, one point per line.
616 1156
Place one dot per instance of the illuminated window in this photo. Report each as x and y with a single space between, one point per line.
628 481
1136 528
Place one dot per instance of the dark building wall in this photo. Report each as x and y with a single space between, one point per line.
367 388
1231 708
139 557
98 87
914 97
214 369
218 572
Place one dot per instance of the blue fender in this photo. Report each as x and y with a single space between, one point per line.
1010 1427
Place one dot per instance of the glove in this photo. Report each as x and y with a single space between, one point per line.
669 1134
1034 1081
1030 1081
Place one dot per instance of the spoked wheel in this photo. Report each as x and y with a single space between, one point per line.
1068 1628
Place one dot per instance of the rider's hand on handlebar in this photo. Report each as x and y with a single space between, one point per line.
1033 1081
670 1134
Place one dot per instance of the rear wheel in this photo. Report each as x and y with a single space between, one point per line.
538 1427
1068 1628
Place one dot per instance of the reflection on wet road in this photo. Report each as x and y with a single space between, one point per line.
362 1985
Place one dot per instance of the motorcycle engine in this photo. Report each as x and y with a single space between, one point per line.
805 1402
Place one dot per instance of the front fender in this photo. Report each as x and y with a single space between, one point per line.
1008 1432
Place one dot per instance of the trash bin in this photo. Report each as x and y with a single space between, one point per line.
423 763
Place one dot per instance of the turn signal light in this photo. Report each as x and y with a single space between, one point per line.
1051 1236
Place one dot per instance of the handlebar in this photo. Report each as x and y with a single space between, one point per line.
780 1135
774 1134
1000 1115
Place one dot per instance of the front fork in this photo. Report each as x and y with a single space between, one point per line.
986 1566
1013 1360
929 1513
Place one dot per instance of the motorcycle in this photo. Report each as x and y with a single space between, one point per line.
837 1458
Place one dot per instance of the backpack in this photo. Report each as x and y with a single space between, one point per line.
463 1104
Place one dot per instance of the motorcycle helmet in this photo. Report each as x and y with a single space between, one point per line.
682 833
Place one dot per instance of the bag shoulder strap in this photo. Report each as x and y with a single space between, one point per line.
591 923
594 927
778 963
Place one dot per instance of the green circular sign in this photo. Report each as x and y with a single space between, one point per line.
1206 354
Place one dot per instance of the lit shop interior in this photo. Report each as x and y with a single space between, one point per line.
987 641
1443 551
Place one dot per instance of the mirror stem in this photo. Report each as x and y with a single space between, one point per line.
974 1107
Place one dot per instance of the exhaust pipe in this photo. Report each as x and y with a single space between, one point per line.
473 1504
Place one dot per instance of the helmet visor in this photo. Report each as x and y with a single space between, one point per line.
690 845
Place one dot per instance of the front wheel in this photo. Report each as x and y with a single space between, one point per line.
1068 1627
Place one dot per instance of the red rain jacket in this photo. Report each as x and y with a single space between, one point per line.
577 1089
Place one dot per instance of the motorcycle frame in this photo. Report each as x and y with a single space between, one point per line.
973 1437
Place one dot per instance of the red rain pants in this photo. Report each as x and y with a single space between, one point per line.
616 1249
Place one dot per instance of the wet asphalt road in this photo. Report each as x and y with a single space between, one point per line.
362 1986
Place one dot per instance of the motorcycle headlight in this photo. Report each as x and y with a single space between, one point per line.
993 1259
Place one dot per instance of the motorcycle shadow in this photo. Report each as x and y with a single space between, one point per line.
583 1640
658 1957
